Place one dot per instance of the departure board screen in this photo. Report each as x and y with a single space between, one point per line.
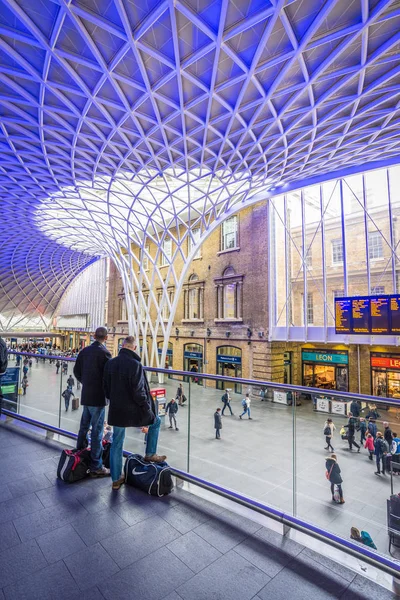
360 315
380 315
374 315
343 315
395 313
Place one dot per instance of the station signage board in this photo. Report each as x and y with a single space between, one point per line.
368 315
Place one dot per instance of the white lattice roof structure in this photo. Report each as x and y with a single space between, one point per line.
120 119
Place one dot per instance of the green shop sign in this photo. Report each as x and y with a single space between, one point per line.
325 357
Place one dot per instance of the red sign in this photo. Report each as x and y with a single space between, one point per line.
162 392
386 362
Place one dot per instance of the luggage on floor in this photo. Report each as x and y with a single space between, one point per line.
74 465
106 454
75 403
153 478
336 495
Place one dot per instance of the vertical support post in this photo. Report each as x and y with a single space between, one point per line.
288 271
366 234
358 368
294 453
303 243
392 236
323 255
345 274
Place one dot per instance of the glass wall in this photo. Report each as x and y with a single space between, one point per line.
334 239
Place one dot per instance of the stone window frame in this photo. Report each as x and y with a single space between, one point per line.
229 276
193 283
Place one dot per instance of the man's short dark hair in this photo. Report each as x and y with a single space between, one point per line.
100 333
129 340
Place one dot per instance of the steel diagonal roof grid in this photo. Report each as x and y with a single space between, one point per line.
131 119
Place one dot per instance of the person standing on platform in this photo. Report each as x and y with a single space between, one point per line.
70 382
67 395
179 394
89 370
24 385
131 405
369 445
226 399
334 477
171 410
387 434
380 451
58 365
355 409
217 423
363 430
329 428
351 430
372 428
395 448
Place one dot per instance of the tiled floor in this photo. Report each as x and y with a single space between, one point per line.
85 542
253 457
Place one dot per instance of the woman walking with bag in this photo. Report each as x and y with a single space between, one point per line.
334 477
329 428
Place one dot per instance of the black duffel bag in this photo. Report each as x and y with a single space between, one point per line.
74 465
153 478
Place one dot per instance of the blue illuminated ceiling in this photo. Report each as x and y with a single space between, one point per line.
279 91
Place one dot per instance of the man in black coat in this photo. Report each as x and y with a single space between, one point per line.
131 405
89 370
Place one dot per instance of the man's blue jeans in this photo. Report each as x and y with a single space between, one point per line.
92 416
117 446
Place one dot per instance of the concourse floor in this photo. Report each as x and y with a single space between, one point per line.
254 457
85 542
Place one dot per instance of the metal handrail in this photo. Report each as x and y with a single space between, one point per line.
250 382
365 554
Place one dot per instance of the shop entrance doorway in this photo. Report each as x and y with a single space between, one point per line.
193 361
229 364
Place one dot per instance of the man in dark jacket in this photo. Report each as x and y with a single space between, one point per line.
351 425
217 423
89 370
387 434
131 405
355 409
171 410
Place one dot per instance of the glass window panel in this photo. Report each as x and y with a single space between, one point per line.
229 300
146 258
333 244
193 304
167 252
229 230
354 220
312 255
379 243
278 260
294 243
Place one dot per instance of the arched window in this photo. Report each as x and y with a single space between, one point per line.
229 295
193 295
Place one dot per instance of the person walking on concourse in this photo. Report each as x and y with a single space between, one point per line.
131 405
171 410
334 477
89 370
217 423
226 399
246 406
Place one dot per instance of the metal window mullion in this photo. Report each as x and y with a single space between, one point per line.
392 240
345 275
303 241
366 234
287 269
272 267
324 283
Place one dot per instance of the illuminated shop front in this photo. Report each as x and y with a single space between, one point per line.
326 370
385 373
